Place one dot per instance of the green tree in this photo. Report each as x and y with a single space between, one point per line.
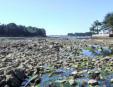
13 30
96 27
92 29
108 21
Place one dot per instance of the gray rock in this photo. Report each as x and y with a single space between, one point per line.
13 82
15 77
111 80
94 74
93 82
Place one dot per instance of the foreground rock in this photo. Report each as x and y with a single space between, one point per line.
13 78
21 58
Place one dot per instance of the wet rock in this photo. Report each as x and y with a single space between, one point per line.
61 81
94 74
2 80
3 83
19 73
84 84
6 85
111 80
15 77
93 82
101 78
76 74
56 73
72 82
51 85
9 55
13 82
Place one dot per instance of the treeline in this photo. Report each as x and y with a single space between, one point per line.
13 30
106 26
80 34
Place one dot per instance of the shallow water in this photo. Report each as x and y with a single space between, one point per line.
90 52
64 75
96 50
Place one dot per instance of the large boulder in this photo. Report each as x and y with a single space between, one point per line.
15 77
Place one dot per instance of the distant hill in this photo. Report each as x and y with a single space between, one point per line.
13 30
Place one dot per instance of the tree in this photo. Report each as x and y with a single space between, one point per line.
92 29
108 22
96 27
13 30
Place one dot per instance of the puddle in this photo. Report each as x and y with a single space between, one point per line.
87 53
65 53
96 50
92 51
47 80
64 60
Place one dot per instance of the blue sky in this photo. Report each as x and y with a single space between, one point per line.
56 16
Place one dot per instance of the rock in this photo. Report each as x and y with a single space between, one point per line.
13 82
101 78
9 55
15 77
61 81
83 84
94 74
2 80
72 81
76 66
92 82
20 74
6 85
56 73
76 74
3 83
111 80
51 85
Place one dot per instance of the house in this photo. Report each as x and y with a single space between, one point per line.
104 34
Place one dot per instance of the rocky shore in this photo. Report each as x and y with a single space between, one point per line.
20 59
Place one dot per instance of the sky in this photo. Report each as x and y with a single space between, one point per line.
58 17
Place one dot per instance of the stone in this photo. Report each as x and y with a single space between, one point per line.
6 85
61 81
111 80
74 72
2 83
51 85
93 82
94 74
20 74
13 82
72 81
83 84
9 55
15 77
